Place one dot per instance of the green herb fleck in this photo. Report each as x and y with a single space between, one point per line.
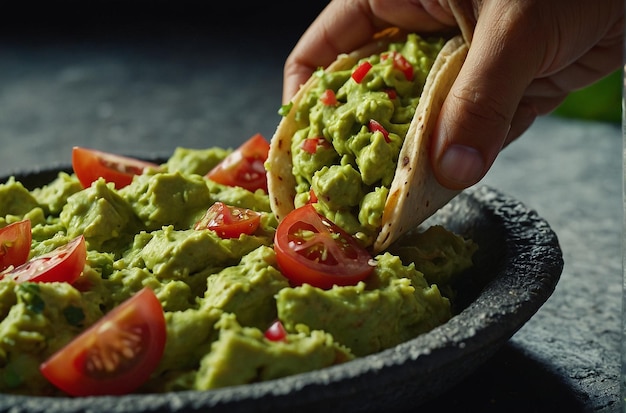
284 109
74 315
11 378
29 293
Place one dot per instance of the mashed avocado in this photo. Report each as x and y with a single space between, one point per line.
351 174
218 295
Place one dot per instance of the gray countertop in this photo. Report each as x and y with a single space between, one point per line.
149 82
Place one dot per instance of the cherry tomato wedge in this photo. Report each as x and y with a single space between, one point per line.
64 264
15 242
311 249
115 355
91 164
244 166
229 221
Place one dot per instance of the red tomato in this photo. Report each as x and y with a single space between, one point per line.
64 264
276 332
229 221
115 355
15 242
90 164
400 63
361 70
244 167
375 126
311 249
328 98
391 93
311 145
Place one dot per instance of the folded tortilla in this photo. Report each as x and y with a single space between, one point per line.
414 194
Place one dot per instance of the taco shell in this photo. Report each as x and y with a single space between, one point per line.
414 194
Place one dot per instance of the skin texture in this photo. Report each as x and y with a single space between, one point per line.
525 57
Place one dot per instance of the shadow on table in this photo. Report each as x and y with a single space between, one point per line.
511 382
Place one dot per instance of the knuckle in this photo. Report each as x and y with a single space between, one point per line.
488 108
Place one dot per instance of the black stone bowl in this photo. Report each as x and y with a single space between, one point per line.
517 267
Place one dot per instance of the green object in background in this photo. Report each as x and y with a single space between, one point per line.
601 101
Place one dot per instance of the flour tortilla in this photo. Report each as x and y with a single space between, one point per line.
414 194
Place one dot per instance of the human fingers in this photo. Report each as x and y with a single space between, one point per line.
546 93
346 25
478 113
340 25
524 58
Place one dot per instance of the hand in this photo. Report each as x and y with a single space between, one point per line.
525 57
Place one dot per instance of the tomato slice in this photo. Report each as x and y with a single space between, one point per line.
91 164
115 355
244 167
15 242
64 264
311 249
229 221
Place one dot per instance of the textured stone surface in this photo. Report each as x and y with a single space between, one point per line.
143 83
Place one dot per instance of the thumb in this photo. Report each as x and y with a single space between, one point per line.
477 113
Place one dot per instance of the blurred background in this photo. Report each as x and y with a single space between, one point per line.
140 77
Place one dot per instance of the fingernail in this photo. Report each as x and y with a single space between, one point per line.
462 165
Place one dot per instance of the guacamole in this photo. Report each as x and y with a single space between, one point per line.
361 134
218 295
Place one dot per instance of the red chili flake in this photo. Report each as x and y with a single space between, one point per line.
276 332
375 126
310 145
361 70
400 63
328 98
391 93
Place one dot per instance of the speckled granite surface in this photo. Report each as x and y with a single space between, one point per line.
146 80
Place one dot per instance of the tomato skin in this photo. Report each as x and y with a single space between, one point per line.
79 368
311 249
64 264
91 164
15 240
229 221
244 166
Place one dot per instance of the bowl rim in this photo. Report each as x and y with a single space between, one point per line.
532 266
